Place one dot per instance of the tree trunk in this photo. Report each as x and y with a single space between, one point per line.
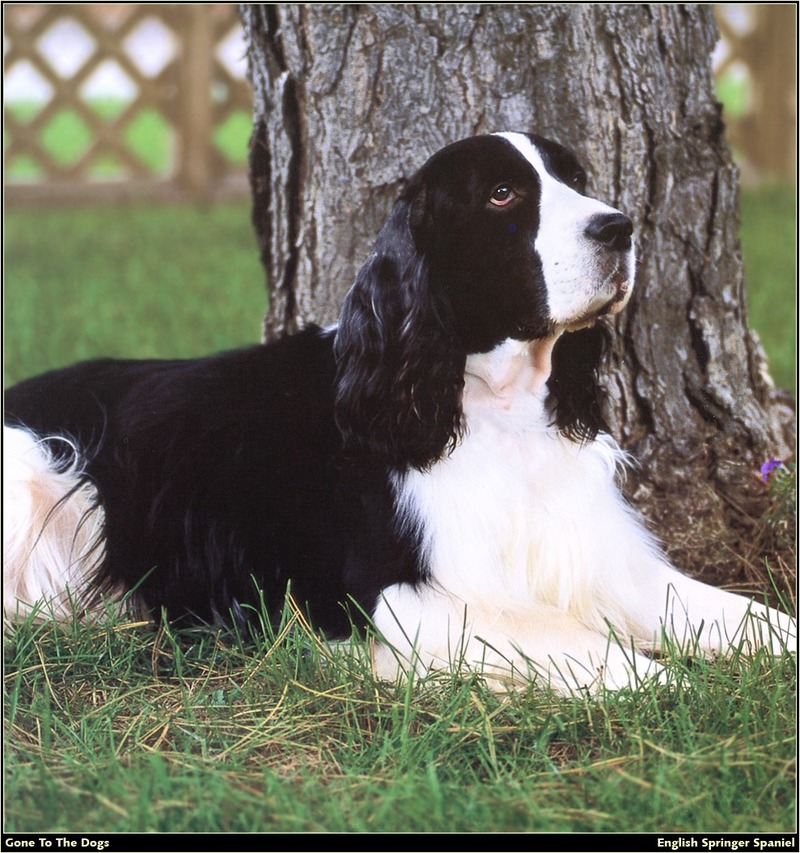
350 99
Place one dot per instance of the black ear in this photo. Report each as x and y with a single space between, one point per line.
574 382
400 367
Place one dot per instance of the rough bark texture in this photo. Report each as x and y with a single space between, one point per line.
350 99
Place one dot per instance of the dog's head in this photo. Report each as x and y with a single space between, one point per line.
493 238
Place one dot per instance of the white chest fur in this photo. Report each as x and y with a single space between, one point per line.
518 514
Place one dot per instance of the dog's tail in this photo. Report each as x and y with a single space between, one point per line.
52 529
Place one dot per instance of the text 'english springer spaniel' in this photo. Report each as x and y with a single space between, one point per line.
436 463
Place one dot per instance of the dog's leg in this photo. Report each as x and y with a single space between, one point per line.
703 618
50 529
425 630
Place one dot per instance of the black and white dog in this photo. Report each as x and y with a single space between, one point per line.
437 462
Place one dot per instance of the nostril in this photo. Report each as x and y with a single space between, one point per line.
612 230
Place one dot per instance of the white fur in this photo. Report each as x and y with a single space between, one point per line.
536 562
578 283
50 530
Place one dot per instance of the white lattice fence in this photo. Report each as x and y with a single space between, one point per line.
109 101
114 101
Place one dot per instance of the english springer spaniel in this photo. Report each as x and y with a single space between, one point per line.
435 467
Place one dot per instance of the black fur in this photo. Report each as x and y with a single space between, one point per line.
225 479
574 383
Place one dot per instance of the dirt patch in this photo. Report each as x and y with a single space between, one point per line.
745 541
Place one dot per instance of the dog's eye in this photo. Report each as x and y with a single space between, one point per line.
579 181
502 195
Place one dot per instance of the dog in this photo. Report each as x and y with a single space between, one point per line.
435 467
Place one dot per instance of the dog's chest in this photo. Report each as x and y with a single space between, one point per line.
516 511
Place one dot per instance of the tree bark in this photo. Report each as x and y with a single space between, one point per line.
350 99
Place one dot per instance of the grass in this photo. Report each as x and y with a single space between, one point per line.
769 246
137 282
117 729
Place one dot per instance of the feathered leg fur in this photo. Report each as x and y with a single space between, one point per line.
51 527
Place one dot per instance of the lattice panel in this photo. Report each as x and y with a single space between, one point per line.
756 61
231 95
105 97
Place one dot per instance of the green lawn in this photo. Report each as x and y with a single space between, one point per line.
114 729
769 245
137 282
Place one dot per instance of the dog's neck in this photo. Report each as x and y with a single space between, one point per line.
512 370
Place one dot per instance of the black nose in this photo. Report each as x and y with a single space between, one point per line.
612 230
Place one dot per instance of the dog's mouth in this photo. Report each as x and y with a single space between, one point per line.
606 290
621 295
611 296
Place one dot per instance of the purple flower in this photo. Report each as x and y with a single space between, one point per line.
768 467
